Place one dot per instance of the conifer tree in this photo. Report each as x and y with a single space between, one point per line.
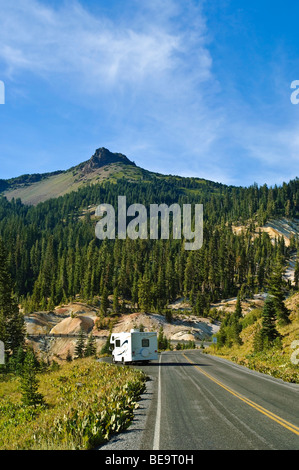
258 345
91 348
17 360
269 332
236 329
69 357
12 325
163 343
104 301
29 381
276 289
238 309
144 298
80 345
296 273
115 300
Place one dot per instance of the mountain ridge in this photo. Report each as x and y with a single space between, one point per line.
38 187
102 166
100 158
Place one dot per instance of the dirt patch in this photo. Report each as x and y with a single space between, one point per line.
247 305
276 228
73 325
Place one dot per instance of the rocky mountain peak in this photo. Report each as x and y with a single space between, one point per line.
102 157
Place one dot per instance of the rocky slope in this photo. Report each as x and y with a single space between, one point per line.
276 228
56 333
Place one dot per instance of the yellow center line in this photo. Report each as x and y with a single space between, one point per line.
269 414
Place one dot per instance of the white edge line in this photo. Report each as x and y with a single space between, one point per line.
156 443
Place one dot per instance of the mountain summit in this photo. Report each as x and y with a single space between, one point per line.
103 165
103 157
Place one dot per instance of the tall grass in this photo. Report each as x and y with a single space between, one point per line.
86 402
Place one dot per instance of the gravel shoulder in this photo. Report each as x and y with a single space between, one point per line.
131 438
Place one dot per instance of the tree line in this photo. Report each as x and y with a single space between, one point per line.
50 253
53 253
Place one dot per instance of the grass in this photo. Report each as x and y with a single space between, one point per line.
86 402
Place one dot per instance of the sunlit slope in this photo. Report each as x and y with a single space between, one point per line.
59 185
102 166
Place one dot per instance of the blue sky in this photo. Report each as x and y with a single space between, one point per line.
195 88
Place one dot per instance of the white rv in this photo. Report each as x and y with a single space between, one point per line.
134 346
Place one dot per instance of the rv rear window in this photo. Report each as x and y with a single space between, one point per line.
117 343
145 343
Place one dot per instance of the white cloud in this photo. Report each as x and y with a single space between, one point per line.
148 68
148 72
71 41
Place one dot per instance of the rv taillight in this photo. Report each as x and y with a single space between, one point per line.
133 352
156 350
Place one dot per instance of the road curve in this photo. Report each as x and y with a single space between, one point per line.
207 403
201 402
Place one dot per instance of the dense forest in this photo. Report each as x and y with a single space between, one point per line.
53 253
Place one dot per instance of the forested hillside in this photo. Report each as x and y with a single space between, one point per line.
53 254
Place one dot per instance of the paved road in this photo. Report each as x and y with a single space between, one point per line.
200 402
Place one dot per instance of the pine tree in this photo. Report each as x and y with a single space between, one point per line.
276 289
199 305
104 301
296 273
91 348
69 357
144 297
12 325
80 345
163 343
238 309
258 344
29 381
236 329
115 300
269 332
17 361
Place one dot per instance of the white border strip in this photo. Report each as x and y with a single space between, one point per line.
156 445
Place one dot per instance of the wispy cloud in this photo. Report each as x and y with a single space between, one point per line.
70 41
147 70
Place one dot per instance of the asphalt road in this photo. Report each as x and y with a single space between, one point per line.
199 402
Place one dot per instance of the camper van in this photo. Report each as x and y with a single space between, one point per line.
134 346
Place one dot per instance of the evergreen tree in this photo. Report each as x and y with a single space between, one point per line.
91 348
296 273
29 381
80 345
276 289
258 344
163 343
106 347
17 360
238 309
269 332
69 357
12 325
144 297
104 301
236 329
115 300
